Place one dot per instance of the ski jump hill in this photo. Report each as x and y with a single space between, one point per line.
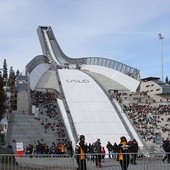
83 85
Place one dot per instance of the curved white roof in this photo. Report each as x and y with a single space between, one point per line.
125 80
36 74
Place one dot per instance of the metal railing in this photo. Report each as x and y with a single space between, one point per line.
112 64
60 162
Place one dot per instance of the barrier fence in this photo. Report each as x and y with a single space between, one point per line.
60 162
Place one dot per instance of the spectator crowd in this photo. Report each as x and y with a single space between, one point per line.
150 119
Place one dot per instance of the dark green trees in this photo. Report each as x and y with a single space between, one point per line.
2 96
7 83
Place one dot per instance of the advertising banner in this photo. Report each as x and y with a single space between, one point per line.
20 148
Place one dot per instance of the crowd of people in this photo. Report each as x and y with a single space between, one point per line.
94 152
133 148
149 118
48 114
145 117
39 148
125 152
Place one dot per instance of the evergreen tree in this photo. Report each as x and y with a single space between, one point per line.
2 96
5 70
11 80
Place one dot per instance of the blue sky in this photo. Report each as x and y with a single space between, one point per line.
122 30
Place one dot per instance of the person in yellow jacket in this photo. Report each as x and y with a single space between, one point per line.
80 153
123 153
62 148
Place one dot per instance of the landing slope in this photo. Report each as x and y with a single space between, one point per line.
91 110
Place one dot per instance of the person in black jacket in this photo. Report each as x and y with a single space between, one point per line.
166 147
109 148
114 149
123 153
81 151
134 151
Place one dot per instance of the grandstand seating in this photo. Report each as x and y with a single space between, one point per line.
149 118
47 128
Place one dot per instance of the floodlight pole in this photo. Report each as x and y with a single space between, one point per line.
161 51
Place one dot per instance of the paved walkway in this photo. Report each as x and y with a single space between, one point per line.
56 163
